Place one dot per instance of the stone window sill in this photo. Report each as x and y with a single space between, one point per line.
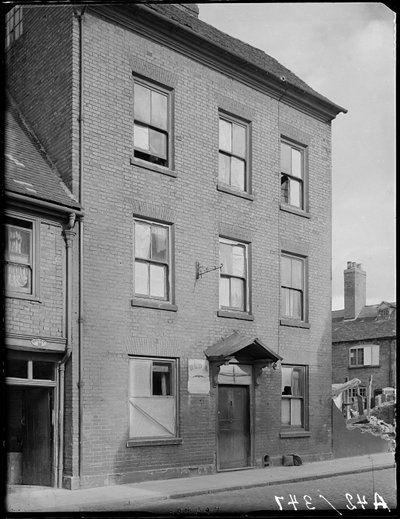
235 315
25 297
300 433
241 194
153 442
156 305
294 210
294 323
153 167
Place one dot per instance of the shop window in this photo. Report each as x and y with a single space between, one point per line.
152 398
152 131
364 356
294 393
233 170
292 175
233 281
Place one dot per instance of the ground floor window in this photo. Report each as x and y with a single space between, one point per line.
294 392
152 397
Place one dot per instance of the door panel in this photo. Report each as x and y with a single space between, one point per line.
233 427
37 444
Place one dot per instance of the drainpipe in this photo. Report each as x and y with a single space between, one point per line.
68 235
79 13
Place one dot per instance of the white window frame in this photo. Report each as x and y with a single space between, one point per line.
291 178
303 398
246 301
168 264
140 153
370 355
304 313
14 25
12 220
246 159
170 400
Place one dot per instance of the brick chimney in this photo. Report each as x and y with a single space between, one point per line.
192 9
355 298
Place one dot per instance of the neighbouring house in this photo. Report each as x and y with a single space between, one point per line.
364 343
187 329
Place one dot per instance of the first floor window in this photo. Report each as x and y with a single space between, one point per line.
292 287
292 175
233 284
19 256
294 391
152 397
364 355
152 260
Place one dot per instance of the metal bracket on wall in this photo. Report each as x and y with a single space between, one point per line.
200 270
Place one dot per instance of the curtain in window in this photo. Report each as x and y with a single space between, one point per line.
18 276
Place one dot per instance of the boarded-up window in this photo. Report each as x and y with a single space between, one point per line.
152 398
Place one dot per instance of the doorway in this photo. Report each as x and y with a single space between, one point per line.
30 435
233 427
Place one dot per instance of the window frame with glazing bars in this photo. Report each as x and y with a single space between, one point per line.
30 225
245 308
361 360
14 26
153 261
146 120
234 154
286 397
294 289
289 178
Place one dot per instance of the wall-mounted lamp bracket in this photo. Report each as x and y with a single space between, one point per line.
200 270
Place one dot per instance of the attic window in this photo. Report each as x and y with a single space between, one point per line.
13 25
383 313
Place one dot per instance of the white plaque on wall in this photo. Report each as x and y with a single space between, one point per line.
198 377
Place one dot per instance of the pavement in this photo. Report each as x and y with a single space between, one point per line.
24 498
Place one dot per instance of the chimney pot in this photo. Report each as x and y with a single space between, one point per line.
354 290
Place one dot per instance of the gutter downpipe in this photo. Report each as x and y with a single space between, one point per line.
68 235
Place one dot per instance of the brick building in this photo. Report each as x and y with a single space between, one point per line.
200 332
364 338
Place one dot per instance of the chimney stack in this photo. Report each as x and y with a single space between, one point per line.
355 297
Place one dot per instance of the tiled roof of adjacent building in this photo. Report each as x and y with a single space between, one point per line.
237 47
27 172
373 322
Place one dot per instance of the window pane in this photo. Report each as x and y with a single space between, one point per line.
43 370
224 168
18 244
159 110
296 305
296 405
141 137
225 136
296 163
141 278
159 243
297 273
142 240
286 158
238 261
286 267
225 255
238 173
19 278
285 302
157 281
297 382
158 144
284 189
161 379
295 193
286 381
285 416
223 291
239 140
142 103
17 368
140 374
237 293
367 356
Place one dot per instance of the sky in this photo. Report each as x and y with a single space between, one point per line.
346 52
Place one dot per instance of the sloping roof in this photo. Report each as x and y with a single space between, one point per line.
229 44
240 345
26 170
368 325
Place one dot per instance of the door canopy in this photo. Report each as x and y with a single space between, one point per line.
245 349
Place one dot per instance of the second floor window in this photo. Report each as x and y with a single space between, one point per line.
19 256
233 285
151 260
233 154
292 287
292 175
151 133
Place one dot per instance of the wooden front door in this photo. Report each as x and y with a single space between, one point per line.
233 427
37 437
